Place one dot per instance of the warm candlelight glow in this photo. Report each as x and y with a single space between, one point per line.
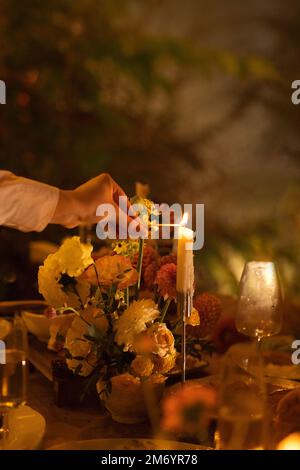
291 442
185 262
184 219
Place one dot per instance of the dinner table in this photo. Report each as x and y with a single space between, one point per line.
66 424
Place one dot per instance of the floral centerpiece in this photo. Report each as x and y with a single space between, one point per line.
125 335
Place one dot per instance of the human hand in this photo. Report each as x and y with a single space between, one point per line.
80 205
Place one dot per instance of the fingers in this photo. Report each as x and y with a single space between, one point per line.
104 190
128 223
129 216
119 192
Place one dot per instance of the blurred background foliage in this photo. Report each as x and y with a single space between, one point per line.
91 89
86 83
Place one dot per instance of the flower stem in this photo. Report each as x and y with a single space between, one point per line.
165 309
77 293
127 296
98 282
139 266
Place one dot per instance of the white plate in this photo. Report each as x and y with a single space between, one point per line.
5 328
28 428
127 444
284 384
290 372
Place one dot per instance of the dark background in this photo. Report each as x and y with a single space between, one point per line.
191 97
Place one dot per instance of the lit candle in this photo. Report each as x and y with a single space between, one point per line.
185 262
291 442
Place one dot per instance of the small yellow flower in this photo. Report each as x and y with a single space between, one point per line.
146 208
126 247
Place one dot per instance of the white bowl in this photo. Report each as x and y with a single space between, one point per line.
37 324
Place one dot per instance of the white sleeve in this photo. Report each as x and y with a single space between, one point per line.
26 204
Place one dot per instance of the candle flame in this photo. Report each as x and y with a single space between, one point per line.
184 219
291 442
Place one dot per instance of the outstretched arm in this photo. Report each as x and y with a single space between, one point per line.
30 205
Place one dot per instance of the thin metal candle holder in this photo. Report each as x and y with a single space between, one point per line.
184 309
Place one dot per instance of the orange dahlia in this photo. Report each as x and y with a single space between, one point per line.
209 308
149 255
166 281
225 335
167 259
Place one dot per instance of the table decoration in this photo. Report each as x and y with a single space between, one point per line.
184 282
125 335
109 337
291 442
40 325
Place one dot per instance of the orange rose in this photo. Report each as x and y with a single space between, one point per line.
115 269
142 366
157 339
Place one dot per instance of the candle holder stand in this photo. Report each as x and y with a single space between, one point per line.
184 310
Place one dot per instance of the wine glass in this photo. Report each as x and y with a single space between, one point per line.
242 417
13 374
259 311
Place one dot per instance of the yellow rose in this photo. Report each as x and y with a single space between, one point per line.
164 364
142 366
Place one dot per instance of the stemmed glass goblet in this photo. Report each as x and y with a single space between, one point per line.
259 311
242 417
